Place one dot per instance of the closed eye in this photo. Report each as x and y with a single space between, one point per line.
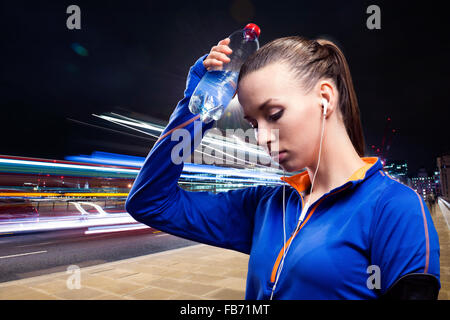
274 117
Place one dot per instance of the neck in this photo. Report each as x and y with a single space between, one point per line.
338 161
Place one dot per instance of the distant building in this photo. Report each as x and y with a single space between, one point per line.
443 164
398 170
437 181
428 186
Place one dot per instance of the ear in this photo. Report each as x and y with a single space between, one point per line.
327 91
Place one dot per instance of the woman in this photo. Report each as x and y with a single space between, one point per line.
341 229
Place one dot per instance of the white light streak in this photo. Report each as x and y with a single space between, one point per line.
22 254
67 166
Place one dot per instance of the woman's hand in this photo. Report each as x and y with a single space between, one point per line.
218 55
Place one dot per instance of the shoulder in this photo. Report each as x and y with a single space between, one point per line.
268 196
398 202
266 192
253 196
395 194
403 237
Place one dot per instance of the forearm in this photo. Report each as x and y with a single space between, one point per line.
224 219
157 180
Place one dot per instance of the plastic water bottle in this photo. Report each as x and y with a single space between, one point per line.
217 87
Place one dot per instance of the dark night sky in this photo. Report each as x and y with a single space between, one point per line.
139 53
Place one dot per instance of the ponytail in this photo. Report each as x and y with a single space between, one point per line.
348 103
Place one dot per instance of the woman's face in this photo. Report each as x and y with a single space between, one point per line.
288 119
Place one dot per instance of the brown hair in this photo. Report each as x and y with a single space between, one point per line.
312 60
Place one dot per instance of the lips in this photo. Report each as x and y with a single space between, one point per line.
279 156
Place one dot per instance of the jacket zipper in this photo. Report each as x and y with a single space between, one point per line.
291 238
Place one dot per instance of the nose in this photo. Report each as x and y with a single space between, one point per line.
267 138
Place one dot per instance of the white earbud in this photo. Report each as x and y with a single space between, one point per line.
325 106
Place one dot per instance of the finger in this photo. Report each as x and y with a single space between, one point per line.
225 41
219 56
212 63
222 48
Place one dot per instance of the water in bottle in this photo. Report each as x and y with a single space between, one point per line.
217 87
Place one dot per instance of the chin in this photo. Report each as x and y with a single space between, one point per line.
286 167
289 167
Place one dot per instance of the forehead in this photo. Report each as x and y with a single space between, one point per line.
273 81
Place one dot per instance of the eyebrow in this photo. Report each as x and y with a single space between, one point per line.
262 106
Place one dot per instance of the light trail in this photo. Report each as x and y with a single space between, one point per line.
108 229
23 254
69 194
66 166
222 142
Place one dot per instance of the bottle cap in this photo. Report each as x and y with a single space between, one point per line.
252 30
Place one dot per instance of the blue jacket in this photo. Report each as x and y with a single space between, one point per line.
372 228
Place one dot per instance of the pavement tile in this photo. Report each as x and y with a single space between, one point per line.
9 290
50 286
227 294
122 287
204 278
444 242
109 296
231 283
167 261
213 270
116 273
141 278
197 288
209 262
79 294
445 277
183 296
95 281
152 294
186 266
237 273
169 284
188 287
98 270
32 294
443 295
149 269
178 274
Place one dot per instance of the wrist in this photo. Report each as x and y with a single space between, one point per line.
198 68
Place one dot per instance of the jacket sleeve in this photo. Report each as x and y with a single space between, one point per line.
404 239
224 219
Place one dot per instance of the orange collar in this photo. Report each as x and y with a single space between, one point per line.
301 182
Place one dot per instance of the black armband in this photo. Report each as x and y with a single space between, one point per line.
413 286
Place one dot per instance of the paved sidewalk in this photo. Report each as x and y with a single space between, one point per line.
196 272
444 242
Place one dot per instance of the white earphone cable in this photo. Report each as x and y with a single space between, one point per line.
302 215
